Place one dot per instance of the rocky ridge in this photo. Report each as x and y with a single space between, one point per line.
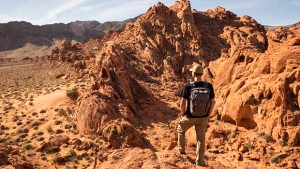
136 75
14 35
255 74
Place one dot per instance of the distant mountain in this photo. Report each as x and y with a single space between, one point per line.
15 34
271 28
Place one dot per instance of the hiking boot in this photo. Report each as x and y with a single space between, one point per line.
182 153
203 164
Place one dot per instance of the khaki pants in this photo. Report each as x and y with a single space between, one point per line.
200 126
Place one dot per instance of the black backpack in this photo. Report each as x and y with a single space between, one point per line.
200 100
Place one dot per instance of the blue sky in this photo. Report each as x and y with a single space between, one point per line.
267 12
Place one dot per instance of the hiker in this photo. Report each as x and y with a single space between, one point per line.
196 105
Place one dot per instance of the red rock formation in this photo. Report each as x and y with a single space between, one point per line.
256 77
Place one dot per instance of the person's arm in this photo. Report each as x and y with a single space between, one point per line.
183 105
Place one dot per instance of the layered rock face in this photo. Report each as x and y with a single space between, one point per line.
263 86
256 76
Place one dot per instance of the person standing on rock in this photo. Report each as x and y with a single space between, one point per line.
196 105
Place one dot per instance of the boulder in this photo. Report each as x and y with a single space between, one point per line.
122 134
93 114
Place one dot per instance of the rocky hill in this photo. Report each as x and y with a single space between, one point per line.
15 35
134 76
130 102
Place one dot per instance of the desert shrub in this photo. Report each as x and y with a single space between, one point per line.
42 119
73 93
261 133
267 137
49 129
233 134
62 112
36 123
40 139
23 158
72 159
59 131
27 146
67 126
7 108
51 149
72 153
40 133
90 161
282 143
275 159
23 130
249 146
72 156
15 119
73 125
57 122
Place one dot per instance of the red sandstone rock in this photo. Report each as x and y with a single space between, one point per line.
255 75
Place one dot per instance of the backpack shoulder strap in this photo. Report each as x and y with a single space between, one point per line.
205 85
192 84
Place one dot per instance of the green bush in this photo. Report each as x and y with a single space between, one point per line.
267 138
261 133
275 159
51 149
249 146
72 153
23 158
28 146
73 93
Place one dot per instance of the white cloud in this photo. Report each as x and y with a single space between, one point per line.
86 8
123 10
242 4
67 6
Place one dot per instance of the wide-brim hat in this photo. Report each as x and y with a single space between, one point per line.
196 68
